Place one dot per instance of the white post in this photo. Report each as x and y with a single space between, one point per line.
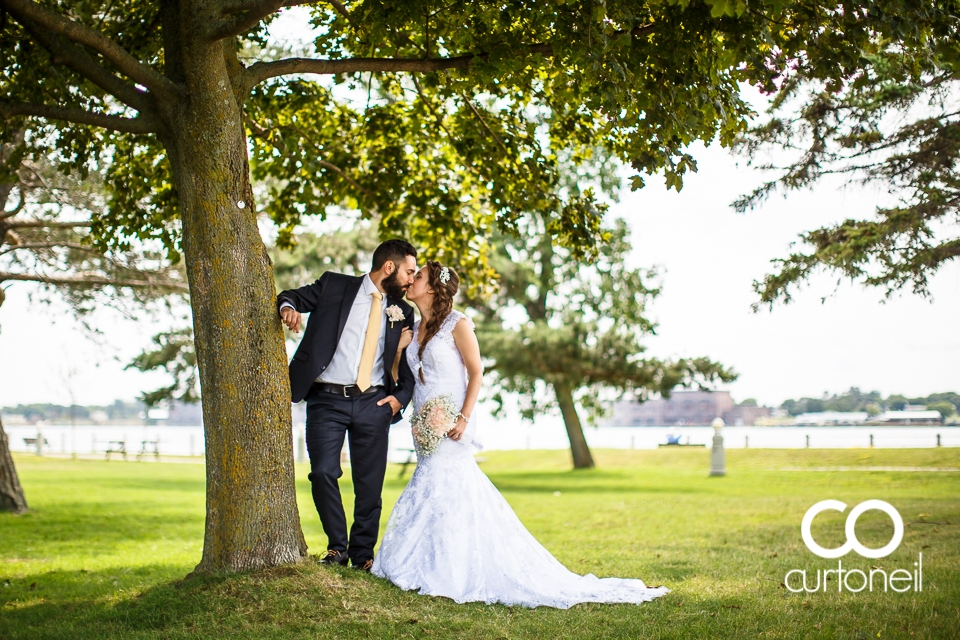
301 448
39 440
718 464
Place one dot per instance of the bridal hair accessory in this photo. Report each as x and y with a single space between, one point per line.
430 425
394 314
444 275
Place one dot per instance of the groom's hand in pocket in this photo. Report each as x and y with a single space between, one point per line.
394 404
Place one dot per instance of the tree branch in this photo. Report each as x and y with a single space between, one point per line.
12 212
263 134
73 56
340 8
261 71
48 245
426 102
28 10
81 280
45 224
486 126
257 12
79 116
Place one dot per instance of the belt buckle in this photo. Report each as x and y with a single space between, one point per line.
345 387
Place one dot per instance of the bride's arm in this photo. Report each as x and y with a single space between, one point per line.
406 337
469 349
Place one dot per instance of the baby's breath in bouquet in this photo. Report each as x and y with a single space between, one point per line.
430 425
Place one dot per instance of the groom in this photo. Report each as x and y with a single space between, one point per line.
344 369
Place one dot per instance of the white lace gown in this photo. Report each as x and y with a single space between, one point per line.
452 534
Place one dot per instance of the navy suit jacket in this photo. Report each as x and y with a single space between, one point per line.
328 301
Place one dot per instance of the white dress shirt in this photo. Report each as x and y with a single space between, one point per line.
345 366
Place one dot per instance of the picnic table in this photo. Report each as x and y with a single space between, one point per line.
117 446
147 447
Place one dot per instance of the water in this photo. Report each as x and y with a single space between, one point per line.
503 434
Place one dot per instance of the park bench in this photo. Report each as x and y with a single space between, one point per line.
117 446
32 442
147 447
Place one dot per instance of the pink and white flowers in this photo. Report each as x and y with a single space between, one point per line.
430 425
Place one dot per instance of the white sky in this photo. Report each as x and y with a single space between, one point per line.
709 256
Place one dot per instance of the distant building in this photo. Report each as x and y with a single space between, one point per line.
908 417
181 414
185 414
831 418
744 416
681 408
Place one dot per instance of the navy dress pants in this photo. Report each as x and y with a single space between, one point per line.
367 426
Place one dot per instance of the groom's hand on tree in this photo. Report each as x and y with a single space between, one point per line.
394 404
291 318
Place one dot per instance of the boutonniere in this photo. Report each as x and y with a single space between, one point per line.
394 314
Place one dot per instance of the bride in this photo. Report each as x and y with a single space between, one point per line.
451 533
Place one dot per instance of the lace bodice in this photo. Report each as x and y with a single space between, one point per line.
443 370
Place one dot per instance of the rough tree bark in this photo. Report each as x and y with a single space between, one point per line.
11 493
582 459
252 517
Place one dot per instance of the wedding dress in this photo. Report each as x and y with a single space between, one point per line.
453 534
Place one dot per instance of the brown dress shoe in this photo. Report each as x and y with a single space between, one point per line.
366 566
335 557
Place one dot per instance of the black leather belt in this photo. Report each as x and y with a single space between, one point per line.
344 390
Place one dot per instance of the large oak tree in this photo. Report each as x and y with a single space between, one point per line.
473 104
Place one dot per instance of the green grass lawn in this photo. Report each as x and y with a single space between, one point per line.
105 547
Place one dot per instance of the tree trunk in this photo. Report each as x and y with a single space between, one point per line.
252 518
11 493
578 444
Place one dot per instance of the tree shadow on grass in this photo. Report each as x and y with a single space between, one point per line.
313 601
590 482
79 523
304 601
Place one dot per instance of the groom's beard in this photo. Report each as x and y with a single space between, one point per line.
391 284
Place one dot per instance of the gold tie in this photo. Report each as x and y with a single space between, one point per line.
370 342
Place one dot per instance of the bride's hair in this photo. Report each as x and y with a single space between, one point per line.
443 294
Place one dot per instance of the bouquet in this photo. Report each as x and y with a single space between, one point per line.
430 425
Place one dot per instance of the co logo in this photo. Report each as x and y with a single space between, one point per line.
852 544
